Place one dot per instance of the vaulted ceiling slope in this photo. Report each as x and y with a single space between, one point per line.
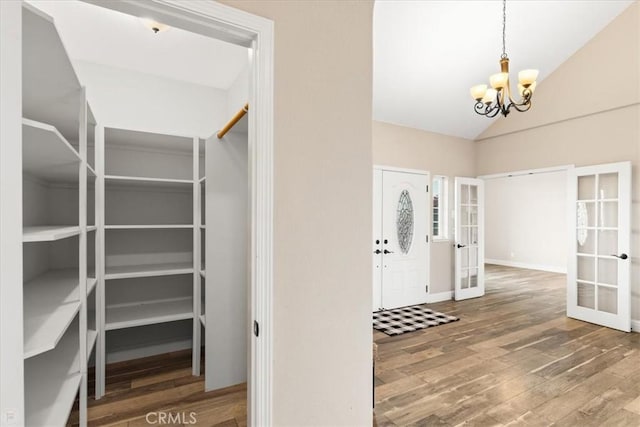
103 36
427 54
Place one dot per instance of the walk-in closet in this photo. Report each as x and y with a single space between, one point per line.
135 208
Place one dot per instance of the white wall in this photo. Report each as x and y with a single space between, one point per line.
132 100
525 220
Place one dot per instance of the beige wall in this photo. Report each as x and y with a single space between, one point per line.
322 302
438 154
577 119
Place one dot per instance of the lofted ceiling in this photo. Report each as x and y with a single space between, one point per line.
427 54
103 36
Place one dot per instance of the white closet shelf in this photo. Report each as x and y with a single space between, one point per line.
91 170
48 233
53 93
203 274
51 302
147 226
51 383
92 336
91 284
202 180
145 181
202 320
148 270
148 313
47 155
91 228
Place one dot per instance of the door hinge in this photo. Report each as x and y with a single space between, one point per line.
427 238
256 328
426 288
427 188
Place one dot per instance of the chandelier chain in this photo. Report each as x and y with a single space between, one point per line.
504 29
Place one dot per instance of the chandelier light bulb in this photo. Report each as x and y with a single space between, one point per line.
478 91
499 80
527 77
490 96
531 88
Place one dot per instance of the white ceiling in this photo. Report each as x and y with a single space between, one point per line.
107 37
427 54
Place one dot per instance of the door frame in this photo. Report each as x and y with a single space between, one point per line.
235 26
383 168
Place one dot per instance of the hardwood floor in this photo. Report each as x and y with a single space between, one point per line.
141 391
512 359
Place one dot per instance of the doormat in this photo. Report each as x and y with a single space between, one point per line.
408 319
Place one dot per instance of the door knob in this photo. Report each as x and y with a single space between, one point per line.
461 246
622 256
377 251
387 252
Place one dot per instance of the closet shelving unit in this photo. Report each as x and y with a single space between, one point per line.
56 116
200 220
149 216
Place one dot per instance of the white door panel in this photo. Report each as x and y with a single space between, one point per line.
405 257
469 238
598 273
377 240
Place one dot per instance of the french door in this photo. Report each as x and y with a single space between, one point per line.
400 239
598 273
469 238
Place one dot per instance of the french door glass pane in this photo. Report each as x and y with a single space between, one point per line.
586 241
464 194
608 186
464 257
465 215
607 242
586 295
586 187
473 239
473 194
473 278
586 269
608 299
608 214
464 278
473 256
608 271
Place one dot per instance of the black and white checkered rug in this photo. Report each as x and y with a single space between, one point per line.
408 319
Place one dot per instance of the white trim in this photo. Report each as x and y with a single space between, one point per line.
11 280
439 297
404 170
527 172
635 326
527 265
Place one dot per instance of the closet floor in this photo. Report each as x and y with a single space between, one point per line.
143 392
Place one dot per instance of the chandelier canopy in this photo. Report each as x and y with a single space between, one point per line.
497 98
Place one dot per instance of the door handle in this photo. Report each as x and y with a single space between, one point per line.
377 251
461 246
621 256
387 252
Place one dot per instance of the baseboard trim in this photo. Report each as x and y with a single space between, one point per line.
150 349
528 266
635 326
439 297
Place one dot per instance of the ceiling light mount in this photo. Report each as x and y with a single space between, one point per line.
155 26
498 99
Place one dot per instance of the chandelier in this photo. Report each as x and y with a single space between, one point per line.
497 98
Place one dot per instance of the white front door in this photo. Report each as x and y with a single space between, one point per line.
469 238
402 238
598 274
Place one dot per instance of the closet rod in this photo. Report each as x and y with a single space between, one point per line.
235 119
